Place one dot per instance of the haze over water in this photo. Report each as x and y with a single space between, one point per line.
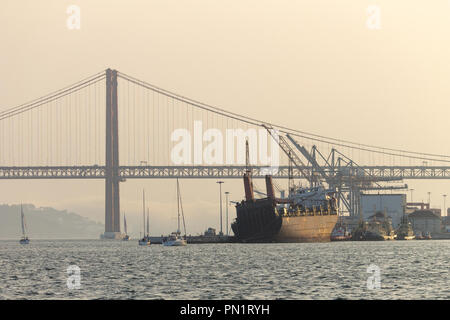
123 270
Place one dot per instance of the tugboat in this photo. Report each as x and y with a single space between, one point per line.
340 232
405 230
375 231
175 239
419 236
389 230
145 240
24 239
359 233
378 228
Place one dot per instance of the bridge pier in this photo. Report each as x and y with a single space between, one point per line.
112 195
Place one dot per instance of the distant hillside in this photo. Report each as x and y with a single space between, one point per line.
46 223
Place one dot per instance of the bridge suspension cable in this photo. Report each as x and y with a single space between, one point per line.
147 115
52 96
286 130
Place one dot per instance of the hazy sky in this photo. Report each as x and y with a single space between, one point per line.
309 65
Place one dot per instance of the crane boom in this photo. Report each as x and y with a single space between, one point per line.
312 160
289 152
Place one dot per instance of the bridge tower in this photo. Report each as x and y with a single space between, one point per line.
112 196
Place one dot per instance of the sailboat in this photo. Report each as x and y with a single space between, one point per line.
24 239
126 237
145 241
175 239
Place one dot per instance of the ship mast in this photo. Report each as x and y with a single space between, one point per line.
248 183
248 168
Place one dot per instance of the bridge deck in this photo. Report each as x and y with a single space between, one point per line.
212 172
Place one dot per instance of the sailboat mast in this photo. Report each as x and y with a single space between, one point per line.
148 218
125 223
178 205
182 211
22 217
143 209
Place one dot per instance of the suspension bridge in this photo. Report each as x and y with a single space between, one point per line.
74 133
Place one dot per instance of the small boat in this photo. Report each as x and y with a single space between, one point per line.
358 234
126 237
24 239
419 236
389 231
405 230
175 239
378 228
340 232
427 236
145 240
374 231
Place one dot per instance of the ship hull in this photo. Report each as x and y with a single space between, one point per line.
306 229
341 238
373 236
405 237
259 221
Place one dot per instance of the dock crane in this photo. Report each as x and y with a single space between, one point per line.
284 145
344 175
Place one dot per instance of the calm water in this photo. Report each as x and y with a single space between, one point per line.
123 270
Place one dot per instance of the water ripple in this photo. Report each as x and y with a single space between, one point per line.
123 270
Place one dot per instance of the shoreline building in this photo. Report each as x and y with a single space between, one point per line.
425 221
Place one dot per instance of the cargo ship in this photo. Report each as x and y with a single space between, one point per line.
306 215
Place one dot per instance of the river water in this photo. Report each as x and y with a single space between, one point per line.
124 270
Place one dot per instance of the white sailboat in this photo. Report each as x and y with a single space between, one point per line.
126 237
175 239
24 239
145 241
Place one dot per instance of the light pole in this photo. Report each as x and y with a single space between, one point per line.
445 210
220 190
411 194
226 196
